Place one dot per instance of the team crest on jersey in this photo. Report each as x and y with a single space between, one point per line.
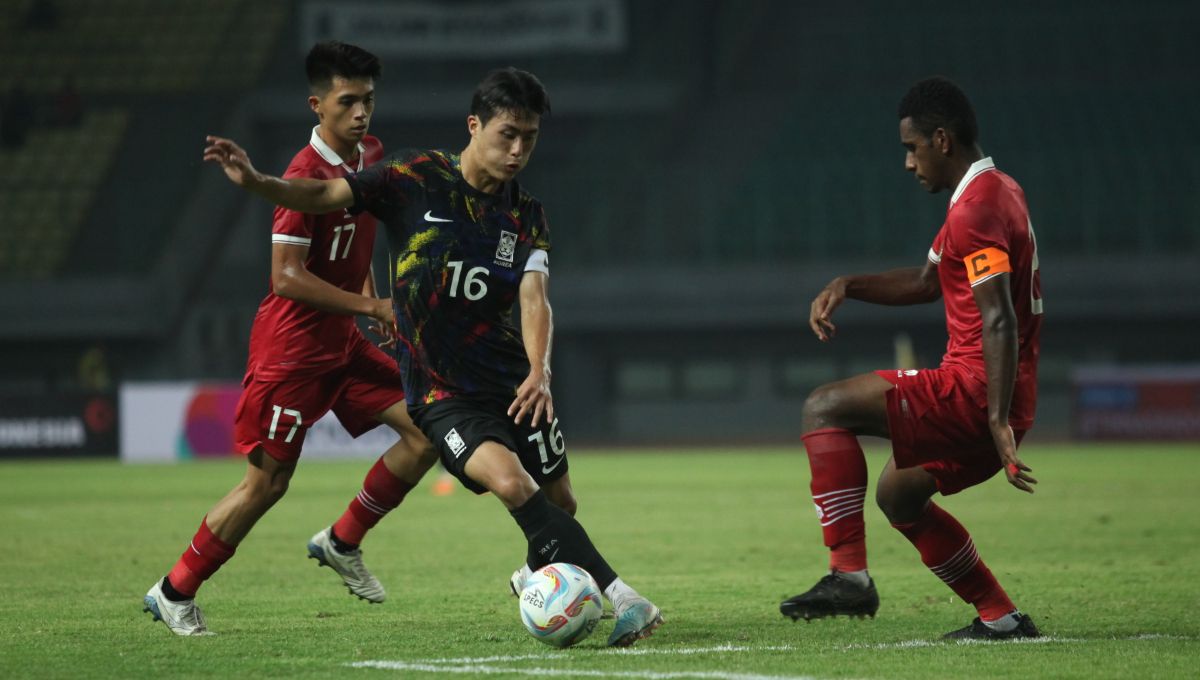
507 249
455 442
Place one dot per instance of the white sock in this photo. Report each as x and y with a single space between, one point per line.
859 578
619 593
526 572
1005 623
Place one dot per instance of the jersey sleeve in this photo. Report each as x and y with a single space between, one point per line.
539 242
980 237
289 226
539 230
385 188
939 244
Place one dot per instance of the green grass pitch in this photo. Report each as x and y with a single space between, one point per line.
1104 557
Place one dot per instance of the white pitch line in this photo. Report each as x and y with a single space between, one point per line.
624 651
486 659
464 665
478 665
577 672
638 651
1045 639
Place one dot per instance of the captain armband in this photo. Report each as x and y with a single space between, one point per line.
985 264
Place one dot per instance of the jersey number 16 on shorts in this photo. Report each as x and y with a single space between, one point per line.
557 445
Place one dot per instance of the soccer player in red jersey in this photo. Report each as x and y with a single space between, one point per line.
308 357
951 427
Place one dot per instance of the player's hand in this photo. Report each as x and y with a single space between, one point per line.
232 159
533 398
822 309
383 322
1016 471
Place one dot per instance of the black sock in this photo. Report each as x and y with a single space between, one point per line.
555 536
340 545
170 593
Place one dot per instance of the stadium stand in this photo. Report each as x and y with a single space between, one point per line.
46 189
702 182
116 54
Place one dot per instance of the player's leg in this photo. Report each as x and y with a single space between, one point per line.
834 415
394 474
386 484
271 422
559 492
370 391
172 600
553 535
946 547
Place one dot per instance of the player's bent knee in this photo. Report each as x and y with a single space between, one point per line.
902 496
891 508
820 406
568 503
268 491
513 490
267 479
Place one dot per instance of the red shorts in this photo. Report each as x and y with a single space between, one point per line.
276 414
937 419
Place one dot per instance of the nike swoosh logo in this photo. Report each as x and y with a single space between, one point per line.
430 218
548 470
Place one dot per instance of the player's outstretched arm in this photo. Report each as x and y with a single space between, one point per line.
994 299
291 279
301 194
907 286
533 395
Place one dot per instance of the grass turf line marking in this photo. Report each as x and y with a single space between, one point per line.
486 659
578 672
1045 639
638 651
465 665
625 651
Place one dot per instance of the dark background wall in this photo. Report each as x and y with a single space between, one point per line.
703 182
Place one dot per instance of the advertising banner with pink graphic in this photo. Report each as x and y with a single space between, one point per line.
163 422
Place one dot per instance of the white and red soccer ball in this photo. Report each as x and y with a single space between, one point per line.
561 604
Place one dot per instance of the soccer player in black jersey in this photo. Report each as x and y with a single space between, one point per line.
467 243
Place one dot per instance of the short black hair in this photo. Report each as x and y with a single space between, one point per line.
509 89
331 58
938 103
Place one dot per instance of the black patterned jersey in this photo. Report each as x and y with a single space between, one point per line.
457 256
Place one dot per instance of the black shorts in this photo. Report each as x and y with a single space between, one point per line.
458 426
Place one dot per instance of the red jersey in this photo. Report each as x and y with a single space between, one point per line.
290 338
988 232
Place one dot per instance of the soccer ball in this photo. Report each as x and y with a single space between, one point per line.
560 604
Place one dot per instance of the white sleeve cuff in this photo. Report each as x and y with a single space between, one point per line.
293 240
539 261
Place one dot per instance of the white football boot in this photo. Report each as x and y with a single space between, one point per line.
349 566
636 619
182 618
517 582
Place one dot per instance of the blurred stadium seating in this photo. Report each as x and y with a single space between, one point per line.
46 189
702 183
138 46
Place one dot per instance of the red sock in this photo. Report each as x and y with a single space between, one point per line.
202 558
381 493
839 485
947 549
